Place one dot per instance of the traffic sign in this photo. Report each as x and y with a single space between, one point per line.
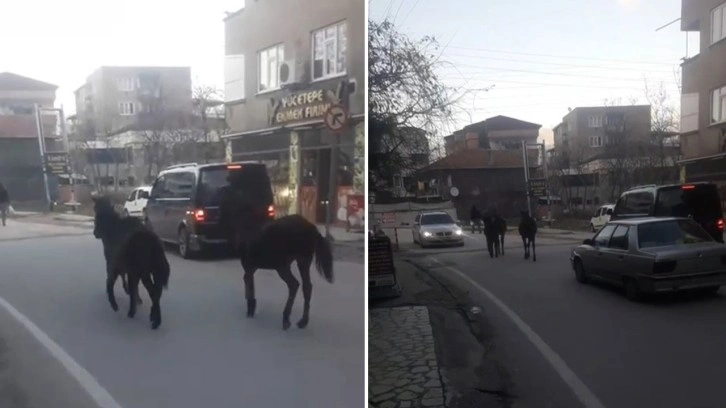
335 118
538 187
56 163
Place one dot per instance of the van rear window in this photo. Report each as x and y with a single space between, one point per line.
254 181
701 202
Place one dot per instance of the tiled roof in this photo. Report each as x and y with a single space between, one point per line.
15 82
483 159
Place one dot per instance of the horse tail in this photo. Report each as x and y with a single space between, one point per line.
323 257
159 264
162 270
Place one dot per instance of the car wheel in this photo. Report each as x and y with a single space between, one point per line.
632 290
580 273
183 243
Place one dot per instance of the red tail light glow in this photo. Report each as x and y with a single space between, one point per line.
719 224
271 211
199 215
688 187
234 167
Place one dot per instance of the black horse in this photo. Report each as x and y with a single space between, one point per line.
133 252
528 232
262 243
491 233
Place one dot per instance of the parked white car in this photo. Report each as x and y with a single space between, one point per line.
601 217
135 204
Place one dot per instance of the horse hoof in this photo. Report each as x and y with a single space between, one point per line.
131 315
114 307
303 323
285 325
155 325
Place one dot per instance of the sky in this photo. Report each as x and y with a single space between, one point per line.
545 56
62 42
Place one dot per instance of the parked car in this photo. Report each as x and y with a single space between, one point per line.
652 254
601 217
183 205
436 227
135 205
700 201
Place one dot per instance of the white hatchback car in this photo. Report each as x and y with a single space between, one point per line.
601 217
135 204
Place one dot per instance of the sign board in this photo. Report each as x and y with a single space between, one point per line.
381 271
386 219
538 187
56 163
300 107
335 118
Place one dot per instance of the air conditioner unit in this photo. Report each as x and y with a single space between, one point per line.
286 72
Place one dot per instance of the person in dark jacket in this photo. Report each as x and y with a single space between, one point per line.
4 203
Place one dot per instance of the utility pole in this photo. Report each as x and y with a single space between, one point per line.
547 183
41 146
526 176
331 213
64 130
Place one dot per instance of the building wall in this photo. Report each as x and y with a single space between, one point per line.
262 24
700 75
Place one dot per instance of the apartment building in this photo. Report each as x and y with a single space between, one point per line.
280 79
703 98
496 133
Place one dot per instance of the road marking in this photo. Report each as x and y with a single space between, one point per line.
586 397
99 394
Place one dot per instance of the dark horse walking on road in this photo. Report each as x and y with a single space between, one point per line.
133 252
263 243
495 228
528 232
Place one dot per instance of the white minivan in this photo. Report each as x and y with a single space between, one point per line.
135 204
601 217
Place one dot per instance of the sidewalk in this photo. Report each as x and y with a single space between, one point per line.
339 234
26 229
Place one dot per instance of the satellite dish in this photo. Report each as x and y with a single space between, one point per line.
454 192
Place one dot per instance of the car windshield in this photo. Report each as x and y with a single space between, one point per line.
431 219
253 181
675 232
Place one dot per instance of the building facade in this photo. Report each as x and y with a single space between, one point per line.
496 133
280 79
21 168
703 98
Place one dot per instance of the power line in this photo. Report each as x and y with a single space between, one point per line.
559 56
559 64
495 81
564 74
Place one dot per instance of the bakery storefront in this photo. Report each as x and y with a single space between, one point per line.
297 150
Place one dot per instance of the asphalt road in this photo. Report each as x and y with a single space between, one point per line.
206 353
666 352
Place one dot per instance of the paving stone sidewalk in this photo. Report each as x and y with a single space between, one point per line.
402 368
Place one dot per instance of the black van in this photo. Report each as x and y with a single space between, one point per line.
183 204
700 201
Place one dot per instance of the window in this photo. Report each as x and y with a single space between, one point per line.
666 233
595 141
159 188
619 239
603 237
126 108
594 121
330 45
268 66
125 84
718 105
132 196
179 185
718 24
234 78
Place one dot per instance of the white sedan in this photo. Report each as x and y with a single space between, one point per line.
431 228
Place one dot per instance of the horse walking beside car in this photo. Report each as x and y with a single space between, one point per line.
528 232
134 253
265 243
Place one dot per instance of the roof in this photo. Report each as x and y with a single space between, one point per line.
15 82
500 123
482 159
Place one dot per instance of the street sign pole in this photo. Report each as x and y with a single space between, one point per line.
526 176
547 183
335 119
41 146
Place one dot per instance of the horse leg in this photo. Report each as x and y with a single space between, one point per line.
250 290
133 294
490 247
110 281
303 264
155 295
496 246
526 247
501 237
292 286
534 251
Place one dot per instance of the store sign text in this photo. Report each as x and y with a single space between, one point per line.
302 106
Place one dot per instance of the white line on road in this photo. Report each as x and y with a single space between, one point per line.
84 378
586 397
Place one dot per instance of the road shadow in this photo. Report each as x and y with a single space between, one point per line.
675 298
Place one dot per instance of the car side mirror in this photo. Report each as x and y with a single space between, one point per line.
588 242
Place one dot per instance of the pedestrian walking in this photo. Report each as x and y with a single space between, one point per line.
4 203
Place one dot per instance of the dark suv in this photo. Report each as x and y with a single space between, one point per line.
700 201
183 205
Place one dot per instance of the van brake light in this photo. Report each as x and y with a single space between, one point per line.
688 187
271 211
234 167
198 215
719 224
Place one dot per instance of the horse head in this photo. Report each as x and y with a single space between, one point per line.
105 215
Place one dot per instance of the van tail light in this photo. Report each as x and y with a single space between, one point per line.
198 215
664 267
234 167
719 224
271 211
688 187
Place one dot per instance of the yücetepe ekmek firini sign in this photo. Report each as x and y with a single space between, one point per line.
300 107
